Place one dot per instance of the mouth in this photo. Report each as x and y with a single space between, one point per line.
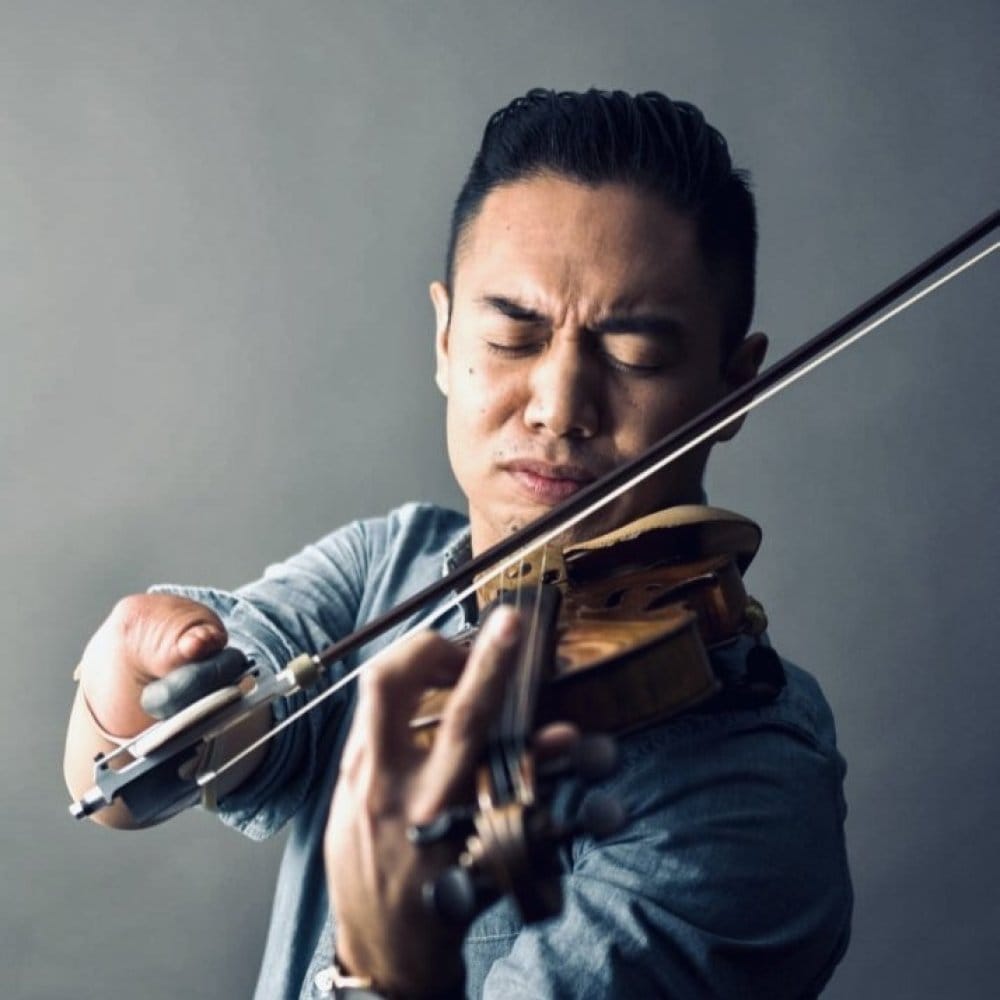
548 483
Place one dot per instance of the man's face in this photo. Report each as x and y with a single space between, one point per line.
583 327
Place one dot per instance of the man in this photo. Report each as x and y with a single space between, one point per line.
599 287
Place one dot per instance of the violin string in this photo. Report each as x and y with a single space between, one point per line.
530 688
513 712
504 775
496 758
510 704
523 653
506 716
528 677
528 646
518 556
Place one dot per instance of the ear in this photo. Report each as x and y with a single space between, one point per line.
742 366
442 316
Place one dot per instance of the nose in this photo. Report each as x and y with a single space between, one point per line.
563 395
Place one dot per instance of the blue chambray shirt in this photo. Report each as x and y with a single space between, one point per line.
730 878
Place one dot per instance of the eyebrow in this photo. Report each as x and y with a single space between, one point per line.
652 323
511 309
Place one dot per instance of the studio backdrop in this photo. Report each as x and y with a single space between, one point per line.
218 222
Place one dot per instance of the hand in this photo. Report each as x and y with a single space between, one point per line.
145 637
387 783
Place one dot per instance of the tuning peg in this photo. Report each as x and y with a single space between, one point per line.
457 896
591 759
600 815
595 758
455 824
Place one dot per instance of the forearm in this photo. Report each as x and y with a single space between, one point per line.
85 740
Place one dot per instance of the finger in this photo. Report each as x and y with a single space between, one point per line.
555 739
471 708
390 689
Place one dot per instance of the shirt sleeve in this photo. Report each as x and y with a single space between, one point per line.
299 606
729 880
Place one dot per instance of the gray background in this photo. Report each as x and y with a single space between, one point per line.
218 223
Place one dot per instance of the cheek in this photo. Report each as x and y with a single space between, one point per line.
483 396
648 412
479 413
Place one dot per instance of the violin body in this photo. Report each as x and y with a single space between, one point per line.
642 607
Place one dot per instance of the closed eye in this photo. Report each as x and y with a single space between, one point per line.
516 350
640 353
640 344
631 367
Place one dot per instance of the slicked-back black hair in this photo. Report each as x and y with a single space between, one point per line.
660 146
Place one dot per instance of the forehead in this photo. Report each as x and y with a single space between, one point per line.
607 244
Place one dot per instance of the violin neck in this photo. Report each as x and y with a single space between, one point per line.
511 732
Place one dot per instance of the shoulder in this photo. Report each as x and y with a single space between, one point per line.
424 526
776 766
800 711
735 846
414 536
405 550
729 879
417 528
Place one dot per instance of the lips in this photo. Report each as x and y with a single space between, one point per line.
546 482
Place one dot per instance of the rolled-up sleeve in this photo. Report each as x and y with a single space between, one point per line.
298 606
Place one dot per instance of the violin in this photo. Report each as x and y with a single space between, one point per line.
621 635
620 632
664 589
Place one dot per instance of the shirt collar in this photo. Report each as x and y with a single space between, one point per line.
458 552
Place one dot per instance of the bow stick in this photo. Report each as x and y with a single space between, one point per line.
168 751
